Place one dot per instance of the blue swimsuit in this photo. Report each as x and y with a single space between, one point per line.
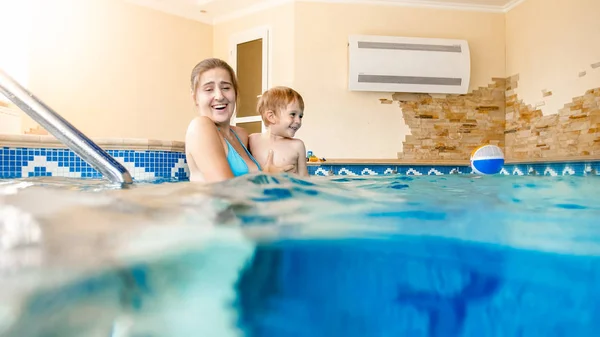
236 162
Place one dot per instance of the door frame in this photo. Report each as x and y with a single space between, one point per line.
264 33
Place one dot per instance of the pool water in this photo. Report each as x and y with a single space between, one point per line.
266 256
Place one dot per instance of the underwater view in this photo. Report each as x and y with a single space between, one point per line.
264 256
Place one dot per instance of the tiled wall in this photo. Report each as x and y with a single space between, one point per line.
450 127
547 169
368 169
147 165
142 165
573 131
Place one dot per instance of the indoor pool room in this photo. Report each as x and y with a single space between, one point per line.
302 168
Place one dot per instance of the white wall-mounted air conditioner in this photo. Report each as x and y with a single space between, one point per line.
408 64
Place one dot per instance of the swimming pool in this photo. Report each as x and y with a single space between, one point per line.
394 255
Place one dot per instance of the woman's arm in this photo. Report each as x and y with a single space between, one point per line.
203 143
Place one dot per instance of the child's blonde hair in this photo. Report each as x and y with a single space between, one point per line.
277 99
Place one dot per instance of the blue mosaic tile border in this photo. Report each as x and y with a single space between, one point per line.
142 165
149 165
554 169
547 169
381 169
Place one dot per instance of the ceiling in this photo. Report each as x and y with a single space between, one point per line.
215 11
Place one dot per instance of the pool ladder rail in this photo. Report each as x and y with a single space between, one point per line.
64 131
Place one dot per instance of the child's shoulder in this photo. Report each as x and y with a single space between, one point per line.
296 140
254 136
296 143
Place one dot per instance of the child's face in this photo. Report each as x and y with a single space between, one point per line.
215 95
288 121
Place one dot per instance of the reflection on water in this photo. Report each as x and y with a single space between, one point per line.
281 256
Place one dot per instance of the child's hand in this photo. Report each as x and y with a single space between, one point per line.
271 168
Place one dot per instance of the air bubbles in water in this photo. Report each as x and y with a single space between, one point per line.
17 228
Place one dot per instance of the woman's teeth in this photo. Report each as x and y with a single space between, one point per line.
220 106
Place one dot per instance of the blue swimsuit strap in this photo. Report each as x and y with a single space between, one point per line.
245 149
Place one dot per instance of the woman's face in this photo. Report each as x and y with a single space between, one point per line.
215 95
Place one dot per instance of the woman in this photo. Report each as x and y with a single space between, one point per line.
215 150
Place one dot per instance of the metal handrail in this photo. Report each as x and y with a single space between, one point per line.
64 131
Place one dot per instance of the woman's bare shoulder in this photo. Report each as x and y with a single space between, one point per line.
240 131
200 132
201 122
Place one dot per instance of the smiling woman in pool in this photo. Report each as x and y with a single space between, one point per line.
216 150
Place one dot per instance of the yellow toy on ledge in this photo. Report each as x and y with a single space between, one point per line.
310 157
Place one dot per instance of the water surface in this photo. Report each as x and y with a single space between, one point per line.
270 256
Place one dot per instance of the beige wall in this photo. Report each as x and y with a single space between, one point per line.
343 124
549 42
280 19
119 70
114 69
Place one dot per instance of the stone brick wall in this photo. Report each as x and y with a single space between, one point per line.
450 127
573 131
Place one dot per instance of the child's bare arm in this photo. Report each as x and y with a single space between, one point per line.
302 169
256 148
